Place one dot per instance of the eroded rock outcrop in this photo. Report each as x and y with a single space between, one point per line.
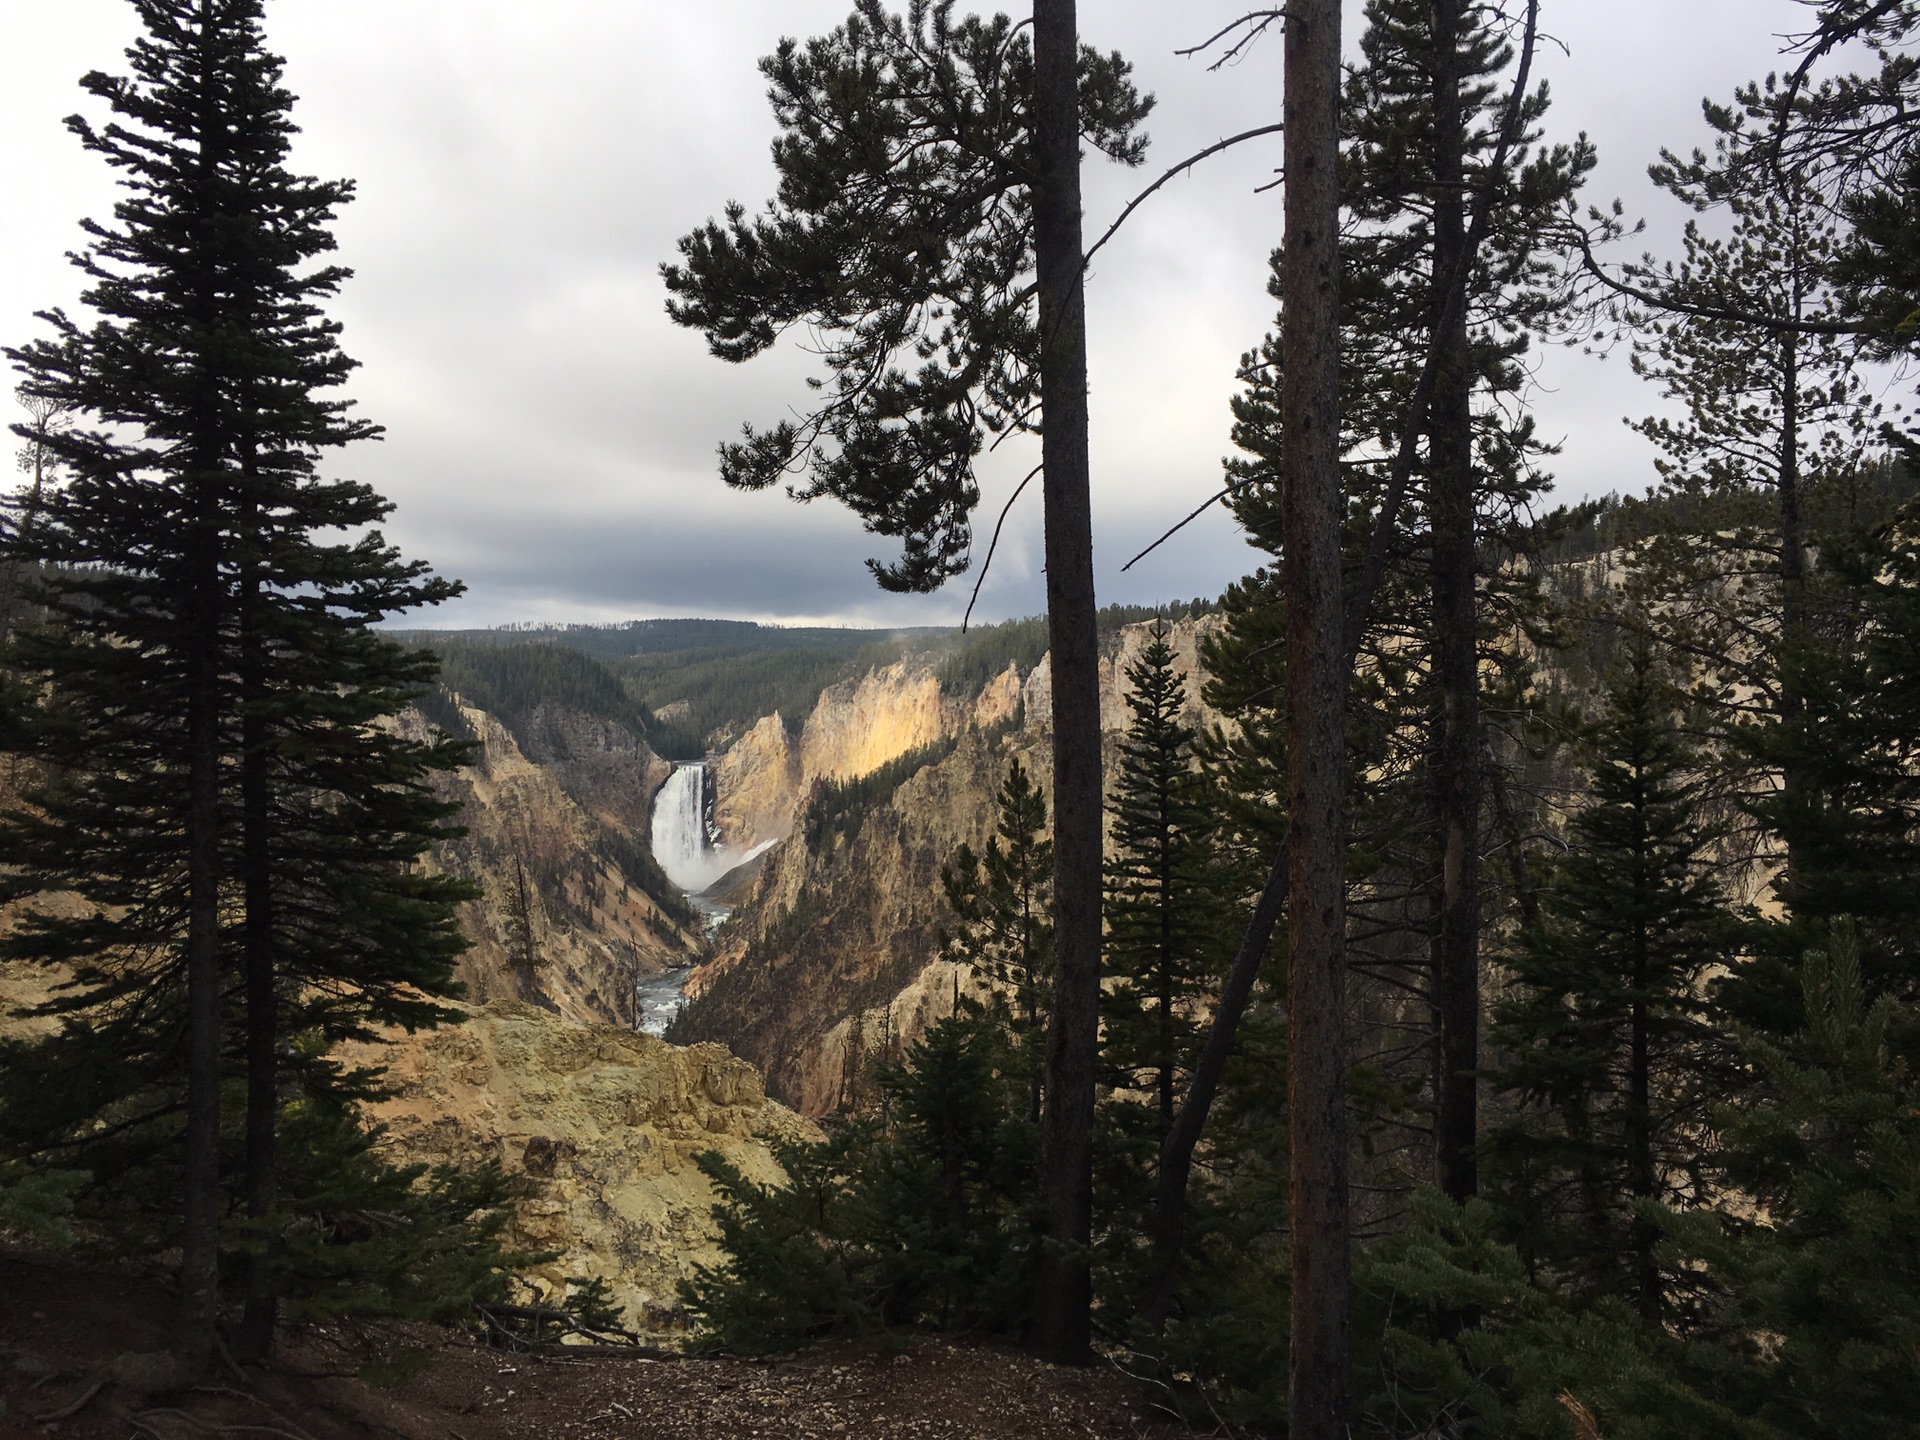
762 781
859 725
605 1124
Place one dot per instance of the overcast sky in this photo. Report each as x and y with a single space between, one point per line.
524 169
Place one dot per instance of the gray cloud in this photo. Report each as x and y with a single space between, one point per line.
524 170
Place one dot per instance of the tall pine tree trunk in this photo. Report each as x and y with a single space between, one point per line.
200 1237
1063 1294
1640 1164
1322 1341
255 1338
199 1242
1456 741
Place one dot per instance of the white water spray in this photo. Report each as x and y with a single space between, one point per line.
681 841
689 851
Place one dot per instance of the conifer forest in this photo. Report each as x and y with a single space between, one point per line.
1458 976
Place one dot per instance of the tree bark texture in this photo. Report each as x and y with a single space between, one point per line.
1455 748
1176 1156
1319 1397
1062 1298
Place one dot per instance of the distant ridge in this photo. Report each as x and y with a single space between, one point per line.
623 639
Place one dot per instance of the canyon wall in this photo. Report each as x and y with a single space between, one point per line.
833 954
762 781
572 818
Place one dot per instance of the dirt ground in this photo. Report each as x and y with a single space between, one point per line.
60 1322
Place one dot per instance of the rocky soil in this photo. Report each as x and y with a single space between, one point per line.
63 1321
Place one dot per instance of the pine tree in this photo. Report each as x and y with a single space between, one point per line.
1819 1330
928 224
1003 902
1164 912
226 790
1433 651
1777 420
1853 824
1609 1041
1764 473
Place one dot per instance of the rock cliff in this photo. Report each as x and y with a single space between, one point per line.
605 1125
757 785
763 779
806 978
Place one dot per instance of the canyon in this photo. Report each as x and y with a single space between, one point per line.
610 878
831 959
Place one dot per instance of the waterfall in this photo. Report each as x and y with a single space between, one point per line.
682 842
687 848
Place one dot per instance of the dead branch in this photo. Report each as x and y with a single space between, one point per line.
987 563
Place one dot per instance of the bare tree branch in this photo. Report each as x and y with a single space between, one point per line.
1259 21
1203 508
987 563
1186 164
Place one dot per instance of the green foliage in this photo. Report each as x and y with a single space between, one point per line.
1169 913
1166 917
923 306
1609 1041
362 1237
920 1220
788 1276
1526 1364
589 1299
726 689
1822 1320
1002 900
510 682
39 1204
983 654
1853 821
219 846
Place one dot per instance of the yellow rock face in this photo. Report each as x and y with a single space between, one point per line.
606 1124
757 785
857 726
